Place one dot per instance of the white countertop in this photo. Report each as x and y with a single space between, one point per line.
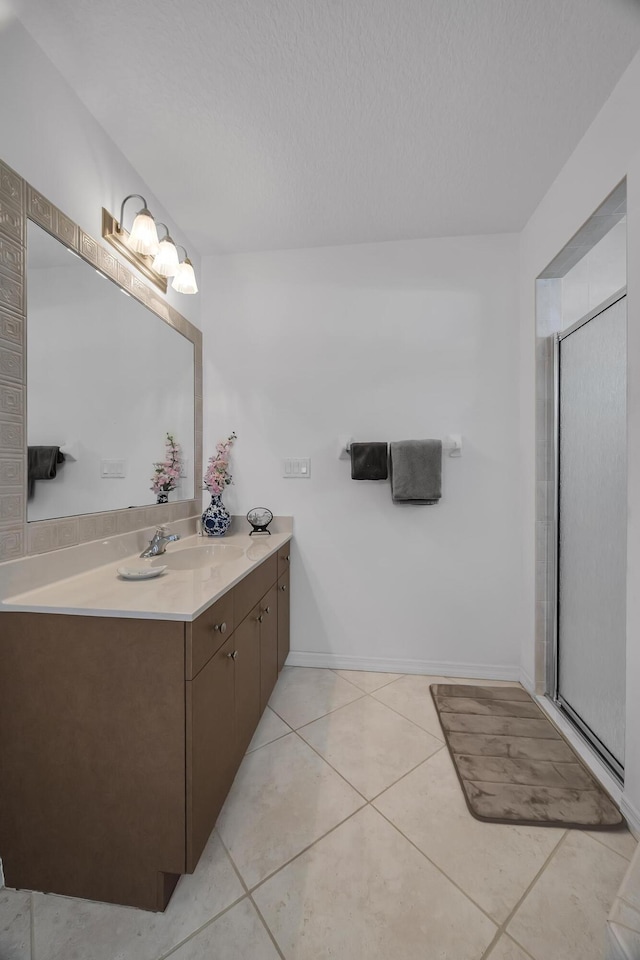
174 595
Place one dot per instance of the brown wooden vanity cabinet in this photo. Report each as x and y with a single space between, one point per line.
283 619
120 739
247 680
268 620
212 755
283 585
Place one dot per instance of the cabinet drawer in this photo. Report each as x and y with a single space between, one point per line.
207 634
284 558
253 588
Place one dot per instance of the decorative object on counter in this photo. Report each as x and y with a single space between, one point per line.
259 518
216 518
167 472
369 461
140 573
42 465
416 471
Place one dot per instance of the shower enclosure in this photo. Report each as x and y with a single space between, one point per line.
588 667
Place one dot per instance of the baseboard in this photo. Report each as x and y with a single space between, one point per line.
527 681
437 668
631 815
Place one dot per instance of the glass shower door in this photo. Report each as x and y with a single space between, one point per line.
592 524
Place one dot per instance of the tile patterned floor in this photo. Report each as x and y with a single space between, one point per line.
345 835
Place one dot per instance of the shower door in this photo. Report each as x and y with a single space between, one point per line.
592 527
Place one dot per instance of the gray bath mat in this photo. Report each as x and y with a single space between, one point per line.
512 762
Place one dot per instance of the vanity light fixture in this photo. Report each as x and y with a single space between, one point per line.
185 278
166 261
157 259
144 236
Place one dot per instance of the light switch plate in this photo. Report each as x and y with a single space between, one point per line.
296 468
112 469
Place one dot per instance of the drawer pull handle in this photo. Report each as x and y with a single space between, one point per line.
260 618
220 627
287 558
283 587
233 654
267 610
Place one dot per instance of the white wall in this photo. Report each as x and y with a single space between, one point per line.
609 150
597 276
383 341
49 137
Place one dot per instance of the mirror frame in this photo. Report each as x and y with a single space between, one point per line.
20 202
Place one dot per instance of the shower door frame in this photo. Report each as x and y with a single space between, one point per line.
553 692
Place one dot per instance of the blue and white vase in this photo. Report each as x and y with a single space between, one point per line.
216 518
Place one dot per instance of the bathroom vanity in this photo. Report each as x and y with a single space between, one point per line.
125 711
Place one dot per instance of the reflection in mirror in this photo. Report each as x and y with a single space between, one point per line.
107 379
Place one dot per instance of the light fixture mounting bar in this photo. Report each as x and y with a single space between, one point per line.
118 238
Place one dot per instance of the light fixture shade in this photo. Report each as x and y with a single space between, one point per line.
167 261
144 236
185 278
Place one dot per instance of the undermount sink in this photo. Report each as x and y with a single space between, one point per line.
195 558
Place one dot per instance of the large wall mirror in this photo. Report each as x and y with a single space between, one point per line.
107 380
93 361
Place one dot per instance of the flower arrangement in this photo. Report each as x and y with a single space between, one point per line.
217 475
167 473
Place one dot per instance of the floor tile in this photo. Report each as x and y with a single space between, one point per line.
270 728
367 680
620 839
237 933
630 887
283 798
15 925
364 892
564 914
369 744
303 694
493 863
506 949
79 930
411 697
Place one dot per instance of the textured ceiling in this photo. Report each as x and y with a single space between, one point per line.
285 123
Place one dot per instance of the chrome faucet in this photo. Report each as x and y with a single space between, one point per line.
158 543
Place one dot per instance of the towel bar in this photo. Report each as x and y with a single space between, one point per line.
451 443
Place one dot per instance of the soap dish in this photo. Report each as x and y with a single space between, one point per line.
140 573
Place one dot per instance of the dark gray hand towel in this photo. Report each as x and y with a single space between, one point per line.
369 461
42 464
416 471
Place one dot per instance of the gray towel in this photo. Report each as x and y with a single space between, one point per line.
369 461
42 465
416 471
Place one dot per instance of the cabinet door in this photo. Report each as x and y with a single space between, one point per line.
283 619
268 645
247 679
211 750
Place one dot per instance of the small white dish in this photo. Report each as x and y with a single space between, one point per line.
140 573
